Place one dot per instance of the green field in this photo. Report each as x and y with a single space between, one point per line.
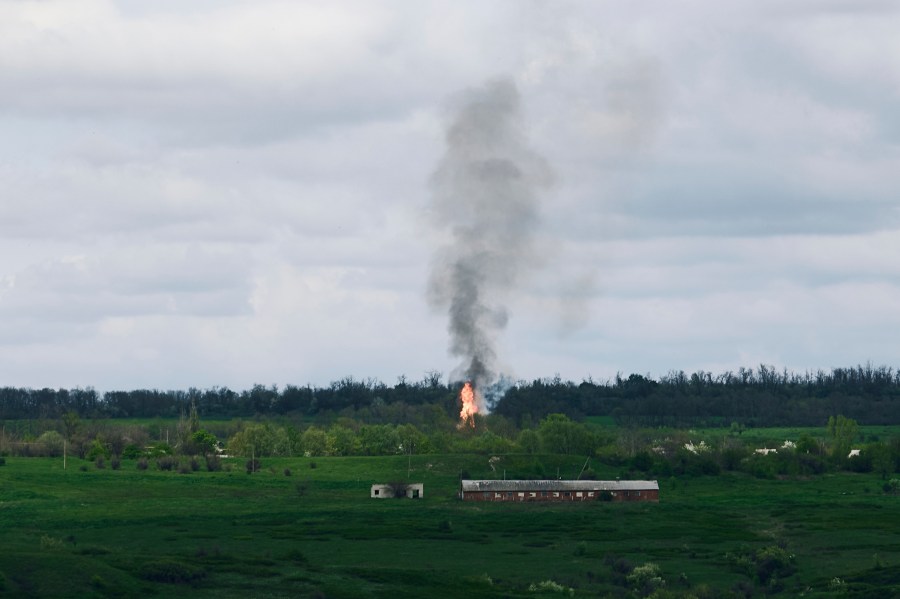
314 532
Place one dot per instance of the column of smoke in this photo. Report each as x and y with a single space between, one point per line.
484 197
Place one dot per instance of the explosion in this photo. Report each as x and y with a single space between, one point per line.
469 405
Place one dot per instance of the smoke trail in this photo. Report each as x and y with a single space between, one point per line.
484 196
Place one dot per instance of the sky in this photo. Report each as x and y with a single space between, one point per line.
223 193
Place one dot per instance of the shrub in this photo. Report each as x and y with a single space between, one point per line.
160 449
772 562
53 443
100 463
48 542
195 465
550 586
287 471
142 464
252 466
132 452
312 465
83 468
2 461
301 488
170 572
166 463
213 463
646 578
184 469
97 449
115 463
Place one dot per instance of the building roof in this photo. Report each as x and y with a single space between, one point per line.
559 485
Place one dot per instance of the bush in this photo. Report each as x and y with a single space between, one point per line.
132 452
97 450
550 586
160 449
100 463
166 463
170 572
646 578
2 461
213 463
142 464
184 469
195 465
773 562
287 471
53 443
115 463
253 466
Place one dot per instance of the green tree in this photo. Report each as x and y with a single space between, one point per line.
202 442
52 442
843 431
529 441
411 439
341 441
379 439
559 434
314 441
256 440
881 459
70 421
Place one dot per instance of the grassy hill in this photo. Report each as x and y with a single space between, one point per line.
306 527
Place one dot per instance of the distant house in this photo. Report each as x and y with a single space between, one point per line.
393 491
766 450
853 453
559 490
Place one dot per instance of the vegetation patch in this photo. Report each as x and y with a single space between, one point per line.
171 572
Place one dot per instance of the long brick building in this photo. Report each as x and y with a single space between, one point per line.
559 490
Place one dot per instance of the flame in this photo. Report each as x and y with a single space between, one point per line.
469 406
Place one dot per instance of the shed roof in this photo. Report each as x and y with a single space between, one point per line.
559 485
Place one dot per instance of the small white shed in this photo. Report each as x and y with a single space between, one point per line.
412 490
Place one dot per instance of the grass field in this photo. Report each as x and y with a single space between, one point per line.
315 532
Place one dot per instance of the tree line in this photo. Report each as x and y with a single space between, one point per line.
757 397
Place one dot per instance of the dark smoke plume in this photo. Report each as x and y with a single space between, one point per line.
484 198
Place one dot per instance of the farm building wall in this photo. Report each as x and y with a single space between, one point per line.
559 491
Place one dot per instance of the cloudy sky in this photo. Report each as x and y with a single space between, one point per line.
227 193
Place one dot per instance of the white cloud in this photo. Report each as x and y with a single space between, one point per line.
225 192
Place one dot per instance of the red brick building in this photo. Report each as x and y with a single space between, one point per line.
559 490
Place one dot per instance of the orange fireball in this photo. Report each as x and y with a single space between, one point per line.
469 406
